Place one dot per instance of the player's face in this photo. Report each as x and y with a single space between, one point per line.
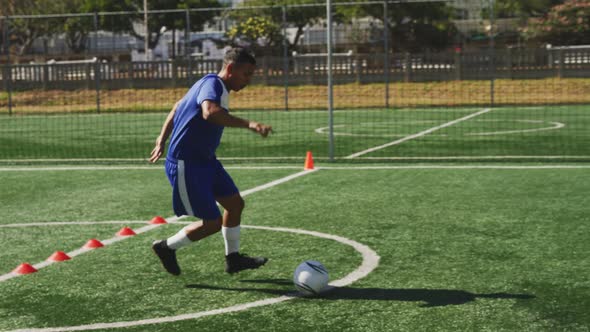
241 75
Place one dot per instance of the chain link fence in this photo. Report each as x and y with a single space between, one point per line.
93 91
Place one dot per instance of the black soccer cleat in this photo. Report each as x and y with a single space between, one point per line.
236 262
167 256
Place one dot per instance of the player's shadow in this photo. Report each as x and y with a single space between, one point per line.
429 297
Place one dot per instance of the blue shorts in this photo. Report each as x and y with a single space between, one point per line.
196 184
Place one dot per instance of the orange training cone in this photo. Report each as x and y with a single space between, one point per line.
308 161
25 268
93 244
126 231
158 220
59 256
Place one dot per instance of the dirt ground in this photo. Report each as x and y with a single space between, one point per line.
449 93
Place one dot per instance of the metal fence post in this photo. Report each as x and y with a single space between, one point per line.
45 77
330 83
407 67
509 62
457 61
386 51
187 47
96 64
560 64
265 70
357 68
7 75
285 58
492 54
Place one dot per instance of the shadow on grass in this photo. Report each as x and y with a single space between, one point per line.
429 297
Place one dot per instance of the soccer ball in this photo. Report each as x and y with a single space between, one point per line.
310 277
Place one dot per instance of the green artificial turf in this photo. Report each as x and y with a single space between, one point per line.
507 131
461 249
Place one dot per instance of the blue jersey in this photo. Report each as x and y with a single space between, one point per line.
194 138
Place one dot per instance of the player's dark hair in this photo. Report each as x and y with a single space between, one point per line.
238 55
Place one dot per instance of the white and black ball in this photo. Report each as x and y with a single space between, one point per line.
310 277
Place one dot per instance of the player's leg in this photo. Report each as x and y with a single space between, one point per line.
192 195
166 249
201 229
230 199
233 206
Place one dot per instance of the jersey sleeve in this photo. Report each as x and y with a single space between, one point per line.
212 89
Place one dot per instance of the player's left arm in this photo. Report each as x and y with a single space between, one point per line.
214 113
164 134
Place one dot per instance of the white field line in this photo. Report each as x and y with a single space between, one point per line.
420 134
40 160
51 168
83 250
72 159
457 167
351 167
122 168
554 125
473 157
82 223
147 228
370 261
87 223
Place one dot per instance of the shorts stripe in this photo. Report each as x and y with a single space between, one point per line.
182 188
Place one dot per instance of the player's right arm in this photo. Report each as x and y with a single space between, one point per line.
214 113
164 134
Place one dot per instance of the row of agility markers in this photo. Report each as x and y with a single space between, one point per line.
60 256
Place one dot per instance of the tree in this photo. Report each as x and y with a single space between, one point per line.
24 31
413 26
297 17
565 24
520 8
76 29
130 23
256 32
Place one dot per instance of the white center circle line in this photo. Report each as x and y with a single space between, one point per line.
370 261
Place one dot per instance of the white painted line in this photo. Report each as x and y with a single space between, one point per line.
262 167
78 168
370 257
83 250
172 219
420 134
360 167
277 182
72 159
392 124
554 125
370 261
438 110
384 167
88 223
473 157
49 160
123 168
72 223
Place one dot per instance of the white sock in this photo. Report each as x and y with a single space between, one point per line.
231 236
178 240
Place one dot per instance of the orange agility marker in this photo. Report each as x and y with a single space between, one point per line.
25 268
126 231
158 220
93 244
59 256
308 161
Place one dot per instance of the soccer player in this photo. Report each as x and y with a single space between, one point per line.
198 179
